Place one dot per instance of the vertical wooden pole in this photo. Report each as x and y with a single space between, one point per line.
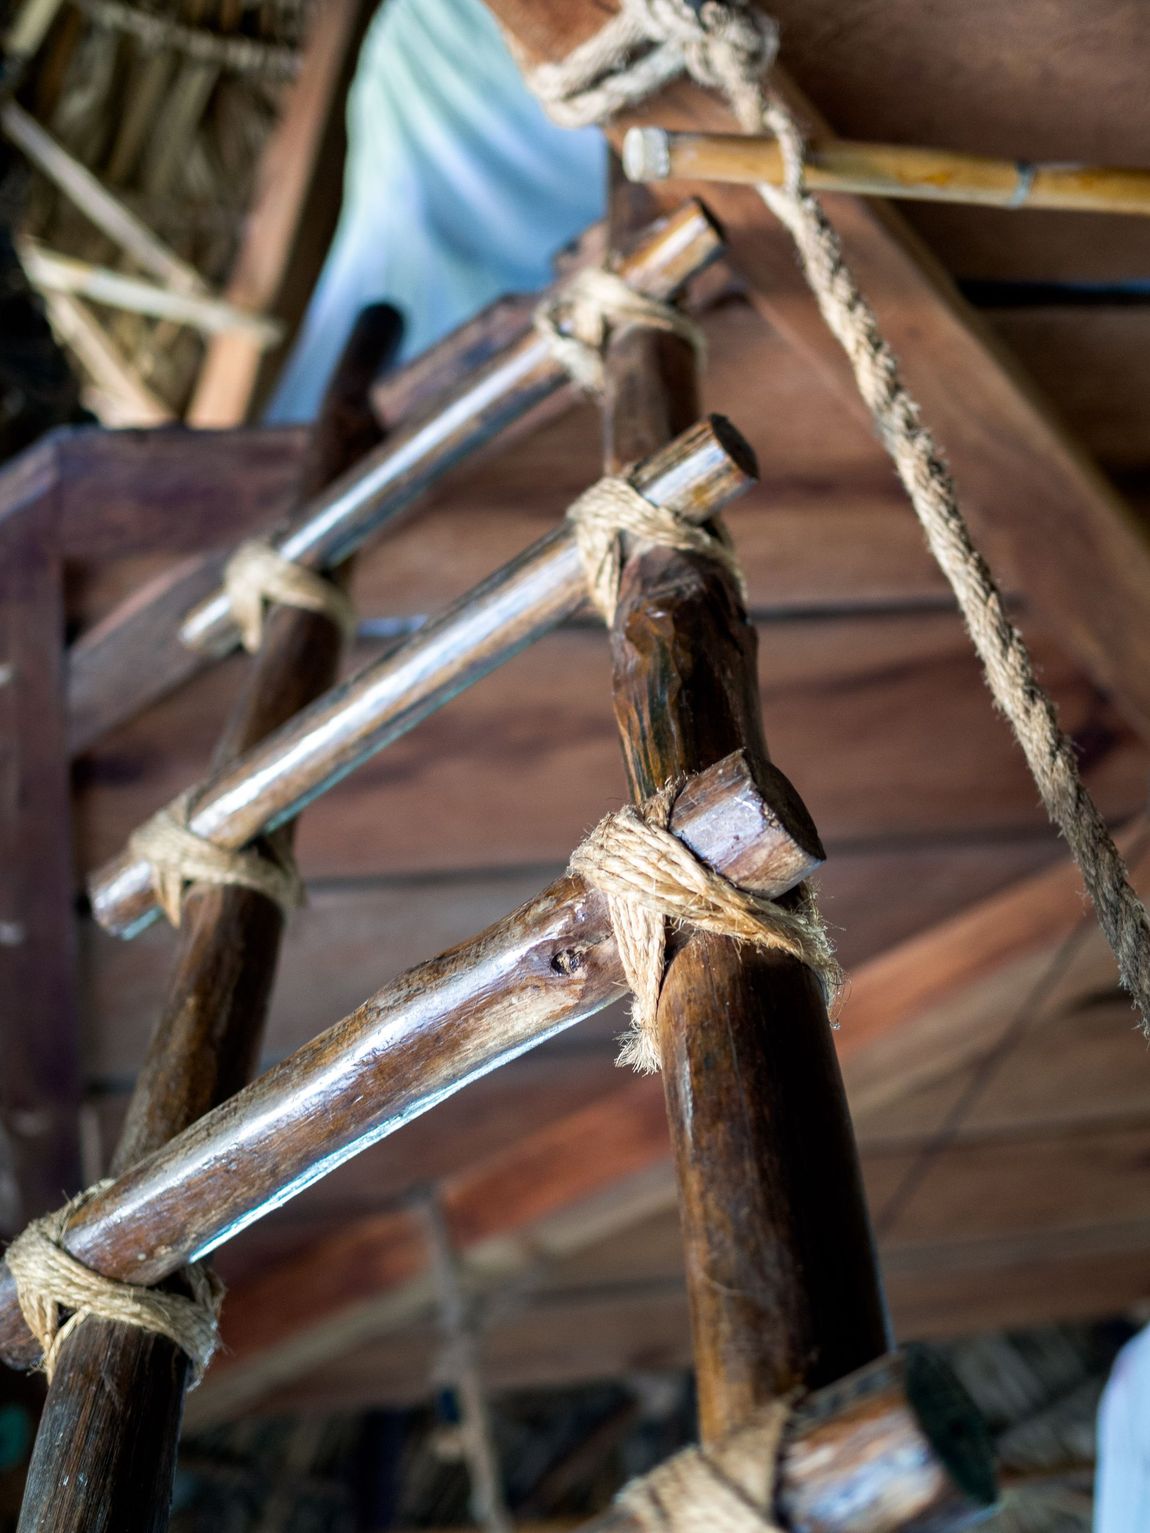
40 1081
781 1271
104 1456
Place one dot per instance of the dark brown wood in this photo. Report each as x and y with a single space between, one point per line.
1021 479
40 1085
420 1038
896 1448
697 474
104 1456
781 1269
476 410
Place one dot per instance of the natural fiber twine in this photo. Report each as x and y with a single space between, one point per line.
613 509
728 1489
179 858
258 576
729 46
649 877
579 320
49 1281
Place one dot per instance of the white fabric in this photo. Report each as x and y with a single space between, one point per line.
458 188
1122 1480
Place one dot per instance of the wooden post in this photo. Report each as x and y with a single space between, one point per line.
419 1039
696 474
105 1452
896 1448
781 1269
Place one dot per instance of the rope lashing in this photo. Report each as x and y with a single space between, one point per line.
257 576
613 508
50 1280
577 321
180 857
730 1489
649 877
728 46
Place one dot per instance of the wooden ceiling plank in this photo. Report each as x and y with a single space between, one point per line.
1031 493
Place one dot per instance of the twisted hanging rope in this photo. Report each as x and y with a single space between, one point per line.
612 508
49 1279
257 575
179 857
648 877
577 322
728 46
728 1489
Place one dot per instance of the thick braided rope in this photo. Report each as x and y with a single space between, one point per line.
612 508
50 1280
715 46
649 877
577 322
257 576
179 857
728 1489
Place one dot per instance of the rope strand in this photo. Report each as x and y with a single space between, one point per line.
728 45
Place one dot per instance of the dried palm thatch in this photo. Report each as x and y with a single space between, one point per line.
169 105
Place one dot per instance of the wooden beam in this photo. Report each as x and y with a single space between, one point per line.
40 1159
1033 497
105 1451
296 195
780 1263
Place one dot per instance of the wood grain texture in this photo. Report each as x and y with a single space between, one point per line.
446 1022
40 1094
780 1265
695 476
105 1450
1093 574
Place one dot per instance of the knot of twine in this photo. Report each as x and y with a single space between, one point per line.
578 320
645 47
729 1489
649 877
613 508
179 857
716 44
50 1280
257 575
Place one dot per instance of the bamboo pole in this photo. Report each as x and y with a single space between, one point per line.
387 482
96 202
698 473
896 1448
421 1038
104 1455
52 272
888 170
781 1271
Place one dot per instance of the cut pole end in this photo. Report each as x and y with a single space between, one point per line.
646 154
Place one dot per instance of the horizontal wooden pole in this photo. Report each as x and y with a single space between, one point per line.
696 475
53 272
896 1447
421 1038
888 170
386 483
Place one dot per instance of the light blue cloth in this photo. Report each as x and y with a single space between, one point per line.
458 188
1122 1478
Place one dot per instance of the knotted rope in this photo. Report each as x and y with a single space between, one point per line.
728 1489
50 1279
649 877
179 857
257 575
578 321
613 509
728 46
